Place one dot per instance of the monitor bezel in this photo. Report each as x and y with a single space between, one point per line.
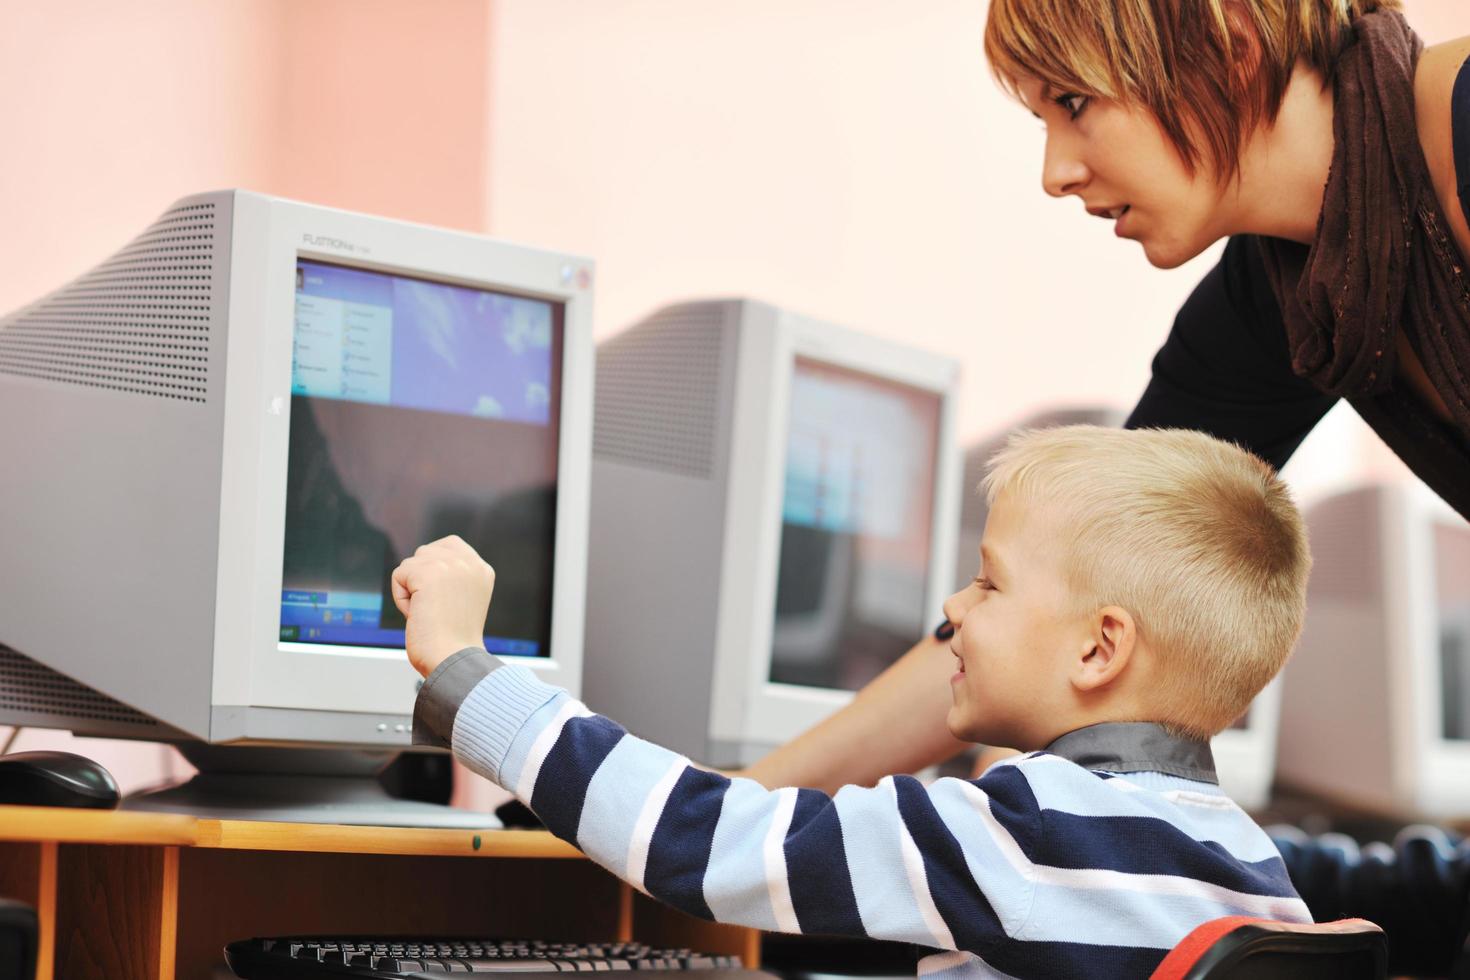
253 667
747 707
1431 770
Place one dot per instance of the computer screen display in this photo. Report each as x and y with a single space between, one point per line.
419 409
857 516
1452 594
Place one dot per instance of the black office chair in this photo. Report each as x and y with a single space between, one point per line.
18 941
1239 947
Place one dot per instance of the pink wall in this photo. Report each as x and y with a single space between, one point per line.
384 108
112 111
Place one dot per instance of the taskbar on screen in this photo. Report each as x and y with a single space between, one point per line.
366 636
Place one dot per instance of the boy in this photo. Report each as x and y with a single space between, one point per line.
1137 589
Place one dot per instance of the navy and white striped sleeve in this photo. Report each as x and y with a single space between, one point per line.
941 866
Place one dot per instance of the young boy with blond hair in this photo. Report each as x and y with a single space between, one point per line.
1137 589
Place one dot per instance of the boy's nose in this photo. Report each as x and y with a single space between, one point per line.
954 609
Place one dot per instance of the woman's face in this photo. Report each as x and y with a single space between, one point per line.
1118 161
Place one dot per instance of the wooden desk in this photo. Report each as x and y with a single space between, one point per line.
140 895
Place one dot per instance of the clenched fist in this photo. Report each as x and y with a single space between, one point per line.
444 593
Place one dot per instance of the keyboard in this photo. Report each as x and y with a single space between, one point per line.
384 958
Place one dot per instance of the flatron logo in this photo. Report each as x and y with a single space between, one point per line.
322 241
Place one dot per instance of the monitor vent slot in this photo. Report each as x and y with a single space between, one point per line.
139 322
28 686
658 391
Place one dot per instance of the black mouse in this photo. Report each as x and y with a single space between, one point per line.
55 779
515 815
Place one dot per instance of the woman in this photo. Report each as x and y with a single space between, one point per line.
1335 156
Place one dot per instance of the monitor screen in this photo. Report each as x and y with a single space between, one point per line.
1452 595
857 516
419 409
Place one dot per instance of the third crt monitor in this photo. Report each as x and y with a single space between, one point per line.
1376 699
234 428
772 521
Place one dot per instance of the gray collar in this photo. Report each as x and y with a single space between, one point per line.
1136 746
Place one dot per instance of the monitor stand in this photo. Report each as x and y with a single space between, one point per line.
298 786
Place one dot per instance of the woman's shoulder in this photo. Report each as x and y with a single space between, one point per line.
1434 85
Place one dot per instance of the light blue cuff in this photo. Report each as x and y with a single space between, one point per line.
493 714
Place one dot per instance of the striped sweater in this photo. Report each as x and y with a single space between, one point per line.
1050 865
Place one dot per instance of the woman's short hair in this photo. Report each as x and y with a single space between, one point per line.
1211 71
1195 537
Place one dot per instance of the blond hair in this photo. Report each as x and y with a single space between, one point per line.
1195 537
1210 71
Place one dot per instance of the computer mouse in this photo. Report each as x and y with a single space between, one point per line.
515 815
56 779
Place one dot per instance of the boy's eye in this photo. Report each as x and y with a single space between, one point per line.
1073 102
985 584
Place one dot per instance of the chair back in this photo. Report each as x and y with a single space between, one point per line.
1242 948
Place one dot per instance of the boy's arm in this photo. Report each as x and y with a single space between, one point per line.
937 866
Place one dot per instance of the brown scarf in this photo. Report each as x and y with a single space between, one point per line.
1383 263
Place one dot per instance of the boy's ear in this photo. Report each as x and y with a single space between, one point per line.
1109 649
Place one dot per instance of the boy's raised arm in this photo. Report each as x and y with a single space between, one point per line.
885 862
935 867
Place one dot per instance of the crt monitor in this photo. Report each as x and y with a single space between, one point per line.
228 434
1245 753
1376 699
772 521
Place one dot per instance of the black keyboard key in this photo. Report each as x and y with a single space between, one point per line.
506 964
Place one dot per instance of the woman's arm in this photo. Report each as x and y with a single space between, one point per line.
897 724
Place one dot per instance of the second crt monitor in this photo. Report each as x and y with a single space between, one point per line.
773 514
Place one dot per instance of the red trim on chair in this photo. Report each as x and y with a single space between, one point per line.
1196 944
1192 948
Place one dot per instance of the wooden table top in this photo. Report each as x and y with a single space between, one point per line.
81 826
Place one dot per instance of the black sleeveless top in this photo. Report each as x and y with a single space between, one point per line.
1225 368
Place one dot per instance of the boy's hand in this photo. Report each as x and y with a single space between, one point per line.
444 593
